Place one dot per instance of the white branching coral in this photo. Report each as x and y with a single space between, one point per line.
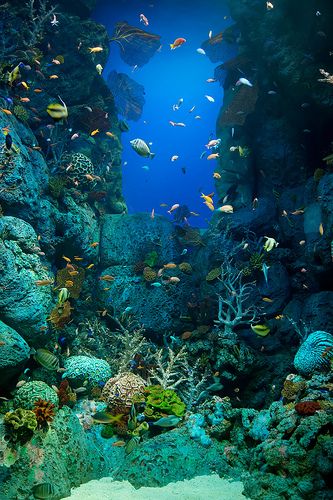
170 368
327 77
233 301
38 14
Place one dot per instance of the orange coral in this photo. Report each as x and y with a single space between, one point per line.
61 315
241 104
44 411
306 408
64 277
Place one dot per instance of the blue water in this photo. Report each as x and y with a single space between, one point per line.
168 76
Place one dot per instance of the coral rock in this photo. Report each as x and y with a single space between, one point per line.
119 391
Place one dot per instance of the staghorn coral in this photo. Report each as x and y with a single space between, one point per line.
21 423
171 368
118 392
61 315
241 105
64 276
185 267
306 408
314 353
44 411
149 274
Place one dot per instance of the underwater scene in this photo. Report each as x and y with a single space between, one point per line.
166 249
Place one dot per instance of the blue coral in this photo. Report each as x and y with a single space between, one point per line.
314 354
195 425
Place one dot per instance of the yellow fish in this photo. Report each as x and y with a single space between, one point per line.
321 229
209 205
207 197
53 77
93 50
216 175
57 111
267 299
261 330
94 132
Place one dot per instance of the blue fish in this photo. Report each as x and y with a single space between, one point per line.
156 284
265 268
170 421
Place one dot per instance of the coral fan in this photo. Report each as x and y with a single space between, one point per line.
44 411
307 407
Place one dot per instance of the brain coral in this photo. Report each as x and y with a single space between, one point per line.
83 369
118 392
314 353
30 392
77 166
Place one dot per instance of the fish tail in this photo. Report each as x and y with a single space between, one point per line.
152 155
172 46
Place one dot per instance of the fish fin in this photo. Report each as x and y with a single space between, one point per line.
172 46
152 156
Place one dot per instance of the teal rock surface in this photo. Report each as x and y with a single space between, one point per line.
14 353
23 305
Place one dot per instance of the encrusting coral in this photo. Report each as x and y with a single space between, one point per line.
72 281
21 423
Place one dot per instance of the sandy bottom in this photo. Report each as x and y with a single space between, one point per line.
199 488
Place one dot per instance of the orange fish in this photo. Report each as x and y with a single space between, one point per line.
94 244
24 99
177 43
110 134
53 77
209 205
170 265
213 156
106 277
38 91
94 50
94 132
6 111
216 175
186 335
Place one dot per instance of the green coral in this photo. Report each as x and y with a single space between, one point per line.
31 392
21 113
161 402
21 424
107 431
86 370
56 186
151 259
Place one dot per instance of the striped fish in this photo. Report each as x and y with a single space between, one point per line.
47 359
57 111
142 148
44 491
132 444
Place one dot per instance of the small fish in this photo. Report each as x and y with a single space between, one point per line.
211 80
54 21
152 215
197 117
207 197
213 156
53 77
192 109
174 158
90 266
201 51
110 134
170 265
104 417
44 282
38 91
94 50
177 124
144 20
142 148
270 243
298 212
170 421
118 443
174 207
94 244
132 444
213 143
264 269
177 43
76 257
57 111
271 92
321 229
227 209
99 69
210 98
156 284
244 81
184 252
80 390
186 335
210 34
47 359
20 383
24 99
269 6
279 316
94 132
56 61
6 111
43 491
173 279
69 284
302 242
67 259
74 136
145 167
267 299
261 330
106 277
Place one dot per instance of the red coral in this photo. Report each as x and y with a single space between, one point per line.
306 408
44 411
66 395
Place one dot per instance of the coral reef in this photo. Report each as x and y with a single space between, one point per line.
118 392
314 353
161 402
30 392
86 371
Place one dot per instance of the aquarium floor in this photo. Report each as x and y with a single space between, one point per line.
198 488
